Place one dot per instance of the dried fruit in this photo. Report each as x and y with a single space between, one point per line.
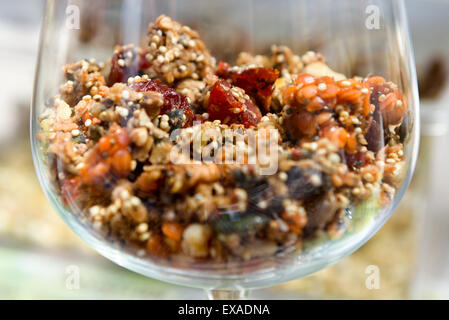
230 106
375 133
257 82
305 182
335 134
388 99
173 100
301 124
320 211
356 160
155 245
125 63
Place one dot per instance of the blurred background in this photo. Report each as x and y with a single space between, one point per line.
38 252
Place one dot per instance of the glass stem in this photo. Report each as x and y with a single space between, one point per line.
228 294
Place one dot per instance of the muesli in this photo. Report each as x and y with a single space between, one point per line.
117 132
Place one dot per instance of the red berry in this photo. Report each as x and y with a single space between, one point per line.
121 71
223 69
257 82
227 108
173 100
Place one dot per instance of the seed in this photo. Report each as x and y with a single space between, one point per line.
125 94
315 180
139 136
322 87
142 227
368 177
122 111
283 176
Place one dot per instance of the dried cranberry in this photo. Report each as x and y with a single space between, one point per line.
296 154
227 108
224 69
121 73
257 82
173 100
356 160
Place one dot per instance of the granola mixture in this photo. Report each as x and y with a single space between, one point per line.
108 140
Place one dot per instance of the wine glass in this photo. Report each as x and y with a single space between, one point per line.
348 143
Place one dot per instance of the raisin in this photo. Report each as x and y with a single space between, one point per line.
256 187
301 185
404 129
227 108
320 211
375 133
257 82
173 100
275 206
